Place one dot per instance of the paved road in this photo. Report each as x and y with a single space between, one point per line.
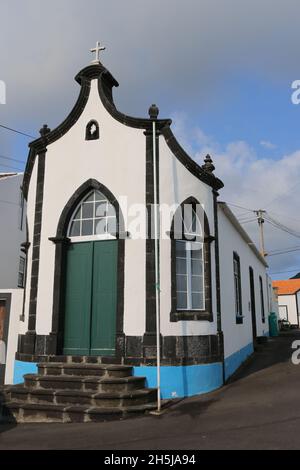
259 409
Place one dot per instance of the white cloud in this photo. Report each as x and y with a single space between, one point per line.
267 145
254 183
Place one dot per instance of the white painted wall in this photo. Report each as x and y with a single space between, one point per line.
290 302
11 236
13 330
176 185
117 160
237 336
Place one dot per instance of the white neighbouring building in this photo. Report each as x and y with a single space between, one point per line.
288 292
12 268
90 282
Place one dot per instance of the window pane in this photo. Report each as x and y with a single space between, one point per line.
181 283
196 266
90 197
197 301
78 214
75 229
196 250
181 249
181 300
111 212
197 283
111 225
87 210
100 226
99 196
180 266
101 209
87 227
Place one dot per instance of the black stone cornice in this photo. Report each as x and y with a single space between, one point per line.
94 71
188 162
105 92
106 82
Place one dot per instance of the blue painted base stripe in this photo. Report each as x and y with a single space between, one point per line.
233 362
183 381
22 368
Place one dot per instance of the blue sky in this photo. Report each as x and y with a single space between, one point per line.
222 70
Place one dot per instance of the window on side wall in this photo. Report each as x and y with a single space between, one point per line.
237 288
190 263
21 273
262 301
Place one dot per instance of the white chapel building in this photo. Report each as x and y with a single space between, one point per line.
90 290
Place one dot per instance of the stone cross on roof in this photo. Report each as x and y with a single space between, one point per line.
97 51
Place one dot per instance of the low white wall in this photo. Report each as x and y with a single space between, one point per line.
13 330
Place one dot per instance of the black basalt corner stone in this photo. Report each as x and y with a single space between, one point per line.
169 347
134 346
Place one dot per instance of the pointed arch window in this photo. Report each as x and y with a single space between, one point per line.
191 270
93 218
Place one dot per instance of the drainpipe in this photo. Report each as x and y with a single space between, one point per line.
153 114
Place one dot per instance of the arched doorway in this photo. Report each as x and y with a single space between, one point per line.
91 278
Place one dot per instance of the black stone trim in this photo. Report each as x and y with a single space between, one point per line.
61 241
105 84
175 350
186 315
187 161
36 242
149 341
179 315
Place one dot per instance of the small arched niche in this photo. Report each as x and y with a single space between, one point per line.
92 130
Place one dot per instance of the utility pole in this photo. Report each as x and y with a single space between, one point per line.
260 219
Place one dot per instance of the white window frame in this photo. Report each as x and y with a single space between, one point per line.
189 292
87 238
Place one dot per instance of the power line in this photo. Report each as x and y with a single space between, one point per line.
283 252
12 167
17 132
288 271
12 159
240 207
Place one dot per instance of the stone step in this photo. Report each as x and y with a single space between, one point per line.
38 413
84 369
75 397
84 383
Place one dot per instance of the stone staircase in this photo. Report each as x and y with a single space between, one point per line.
76 392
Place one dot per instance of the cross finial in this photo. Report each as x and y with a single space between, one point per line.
97 51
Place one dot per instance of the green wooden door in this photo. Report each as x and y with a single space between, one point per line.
91 298
78 298
104 299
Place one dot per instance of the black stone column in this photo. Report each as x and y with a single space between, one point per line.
30 336
149 339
